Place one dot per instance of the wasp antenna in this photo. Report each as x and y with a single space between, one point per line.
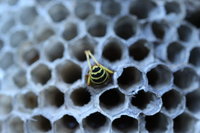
92 56
88 58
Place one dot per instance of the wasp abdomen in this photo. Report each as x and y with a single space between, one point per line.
98 75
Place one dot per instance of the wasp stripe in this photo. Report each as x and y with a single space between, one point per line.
100 80
95 69
98 75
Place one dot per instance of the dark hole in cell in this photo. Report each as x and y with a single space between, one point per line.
15 125
28 15
30 100
20 79
184 33
41 123
193 101
172 7
159 29
194 58
193 17
83 9
69 122
31 56
110 8
70 31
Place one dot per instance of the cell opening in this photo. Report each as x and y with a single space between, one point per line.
44 34
139 50
159 76
28 15
30 56
39 123
185 78
70 72
142 99
125 124
8 25
80 96
112 51
66 124
41 74
58 12
70 31
17 38
111 99
20 79
96 26
125 27
171 100
159 29
54 51
142 8
83 10
193 101
5 104
175 52
130 76
193 17
184 32
6 60
15 125
1 44
29 100
110 8
156 123
184 123
194 58
52 96
172 7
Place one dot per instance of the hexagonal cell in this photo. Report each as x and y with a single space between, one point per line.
157 123
30 56
184 32
111 99
142 99
172 7
83 9
28 15
58 12
125 27
193 17
8 25
142 8
111 8
41 74
39 123
159 28
20 79
175 52
54 51
44 34
159 76
69 72
96 25
112 51
70 31
96 122
186 78
5 104
194 58
15 125
17 38
52 97
125 124
129 78
66 124
139 50
6 60
80 97
184 123
79 46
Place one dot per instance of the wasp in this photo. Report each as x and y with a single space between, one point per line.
98 74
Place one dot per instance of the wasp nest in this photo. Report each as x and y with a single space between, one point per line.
151 45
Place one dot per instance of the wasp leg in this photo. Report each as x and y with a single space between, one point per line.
88 79
108 70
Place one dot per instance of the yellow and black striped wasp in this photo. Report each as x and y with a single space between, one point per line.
98 74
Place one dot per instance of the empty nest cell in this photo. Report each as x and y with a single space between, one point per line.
193 17
52 96
28 15
30 56
175 52
125 27
157 123
39 123
184 32
70 31
69 72
193 101
8 25
79 46
6 60
159 28
110 8
112 51
54 51
44 34
80 96
125 124
159 76
172 7
20 78
58 12
111 99
95 122
41 74
17 38
66 124
130 77
142 8
194 57
142 99
83 9
96 25
15 125
184 123
139 50
186 78
5 104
